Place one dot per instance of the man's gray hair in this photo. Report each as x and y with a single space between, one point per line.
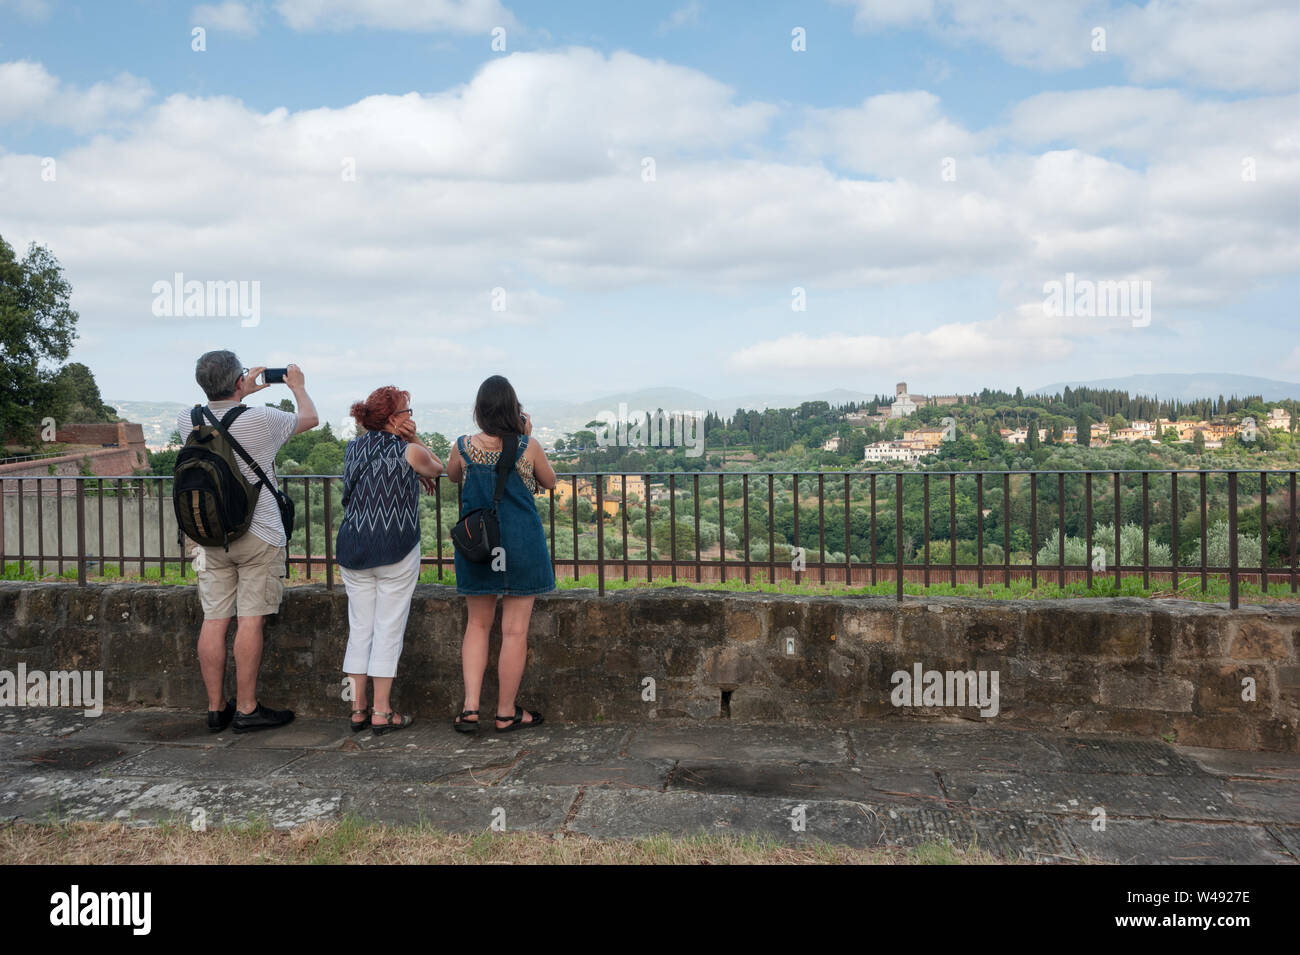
217 373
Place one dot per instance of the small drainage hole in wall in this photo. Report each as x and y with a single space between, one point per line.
726 705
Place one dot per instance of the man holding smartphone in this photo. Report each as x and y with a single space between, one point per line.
247 579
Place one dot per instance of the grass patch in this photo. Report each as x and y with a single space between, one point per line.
353 841
1217 589
1189 587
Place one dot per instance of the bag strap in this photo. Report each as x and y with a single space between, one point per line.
505 464
229 418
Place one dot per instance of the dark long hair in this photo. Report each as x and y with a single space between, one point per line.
497 409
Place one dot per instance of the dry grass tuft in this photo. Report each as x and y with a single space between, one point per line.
350 841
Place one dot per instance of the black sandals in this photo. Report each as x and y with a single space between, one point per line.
517 721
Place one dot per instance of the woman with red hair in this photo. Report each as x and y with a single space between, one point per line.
378 547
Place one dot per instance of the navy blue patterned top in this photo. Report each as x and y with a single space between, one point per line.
381 521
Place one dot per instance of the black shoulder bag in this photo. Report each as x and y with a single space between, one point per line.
478 533
283 500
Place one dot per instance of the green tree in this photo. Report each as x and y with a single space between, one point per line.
325 458
436 442
37 327
77 396
1083 429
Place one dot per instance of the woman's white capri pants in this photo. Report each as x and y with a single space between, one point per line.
379 601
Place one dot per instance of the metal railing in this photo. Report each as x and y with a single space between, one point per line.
752 526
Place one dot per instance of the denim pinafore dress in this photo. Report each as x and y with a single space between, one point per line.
527 559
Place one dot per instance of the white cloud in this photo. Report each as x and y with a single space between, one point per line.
1222 44
29 93
457 16
892 134
34 10
230 16
956 347
528 177
683 16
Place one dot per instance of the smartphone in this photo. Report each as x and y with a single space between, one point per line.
275 376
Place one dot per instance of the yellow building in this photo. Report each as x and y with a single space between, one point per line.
930 438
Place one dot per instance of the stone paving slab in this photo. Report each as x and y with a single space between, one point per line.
143 802
435 739
42 754
464 810
1244 763
807 781
979 748
612 773
1085 754
1277 800
731 742
1154 842
1017 793
45 721
1288 836
609 814
155 725
1038 837
192 762
352 768
1171 797
302 733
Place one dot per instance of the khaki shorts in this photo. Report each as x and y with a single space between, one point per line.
250 575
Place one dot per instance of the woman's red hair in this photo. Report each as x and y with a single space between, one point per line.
373 413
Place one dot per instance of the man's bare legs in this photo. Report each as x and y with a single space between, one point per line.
248 661
212 661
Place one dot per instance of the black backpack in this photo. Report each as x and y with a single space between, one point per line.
213 500
478 533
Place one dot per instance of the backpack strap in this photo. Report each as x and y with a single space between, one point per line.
227 419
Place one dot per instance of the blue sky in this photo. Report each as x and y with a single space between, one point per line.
775 169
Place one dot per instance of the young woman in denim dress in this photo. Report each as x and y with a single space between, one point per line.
472 463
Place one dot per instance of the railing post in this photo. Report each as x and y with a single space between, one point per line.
1232 540
600 535
1087 517
329 535
1263 531
1006 528
81 531
1173 507
898 522
1118 517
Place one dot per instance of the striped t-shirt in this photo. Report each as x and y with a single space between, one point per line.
261 432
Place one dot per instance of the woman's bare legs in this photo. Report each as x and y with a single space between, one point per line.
515 614
474 648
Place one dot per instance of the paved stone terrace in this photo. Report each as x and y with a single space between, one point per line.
1015 793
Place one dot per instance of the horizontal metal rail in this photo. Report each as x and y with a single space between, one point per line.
742 528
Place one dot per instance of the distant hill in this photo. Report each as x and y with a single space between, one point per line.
1190 387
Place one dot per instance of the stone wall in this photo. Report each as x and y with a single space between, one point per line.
1174 669
103 462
